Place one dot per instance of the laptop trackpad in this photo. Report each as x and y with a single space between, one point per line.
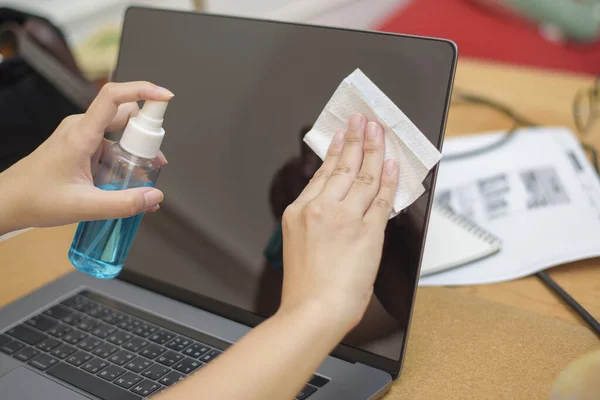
22 383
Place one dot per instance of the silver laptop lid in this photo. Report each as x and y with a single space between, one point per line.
245 93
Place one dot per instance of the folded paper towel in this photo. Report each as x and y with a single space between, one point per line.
404 142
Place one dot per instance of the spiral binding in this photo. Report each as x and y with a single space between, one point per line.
468 225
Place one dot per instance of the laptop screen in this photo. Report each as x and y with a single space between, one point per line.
246 91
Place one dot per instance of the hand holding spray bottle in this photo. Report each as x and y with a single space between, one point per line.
100 248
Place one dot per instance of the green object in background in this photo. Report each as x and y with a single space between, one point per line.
578 21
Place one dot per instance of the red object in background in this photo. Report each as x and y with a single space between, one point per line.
485 34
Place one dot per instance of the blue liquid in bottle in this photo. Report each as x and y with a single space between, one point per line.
100 248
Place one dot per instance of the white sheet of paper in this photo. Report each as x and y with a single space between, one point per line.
538 193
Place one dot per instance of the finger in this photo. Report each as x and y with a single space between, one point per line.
124 112
154 209
382 206
366 184
98 204
105 106
316 184
162 160
343 175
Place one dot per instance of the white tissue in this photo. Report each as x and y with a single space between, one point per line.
404 142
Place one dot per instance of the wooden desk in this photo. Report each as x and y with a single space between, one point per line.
543 97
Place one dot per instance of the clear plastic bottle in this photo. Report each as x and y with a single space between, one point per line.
100 248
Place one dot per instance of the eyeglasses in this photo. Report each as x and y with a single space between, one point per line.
586 108
586 112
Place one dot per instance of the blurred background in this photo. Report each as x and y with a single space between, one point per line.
553 34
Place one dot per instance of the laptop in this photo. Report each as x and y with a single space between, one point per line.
207 268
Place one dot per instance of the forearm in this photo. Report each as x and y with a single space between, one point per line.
10 218
274 361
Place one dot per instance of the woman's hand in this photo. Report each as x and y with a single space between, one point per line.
54 185
333 233
332 242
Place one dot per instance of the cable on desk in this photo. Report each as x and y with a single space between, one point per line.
519 122
579 309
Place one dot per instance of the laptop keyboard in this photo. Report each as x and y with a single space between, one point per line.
112 351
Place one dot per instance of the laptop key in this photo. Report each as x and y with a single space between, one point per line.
179 343
161 337
145 388
112 317
196 350
96 311
89 383
211 355
121 357
318 381
169 358
26 334
111 373
89 343
73 319
63 351
138 364
95 365
152 351
72 301
145 330
155 372
87 324
41 322
127 323
103 330
136 344
59 330
171 378
74 337
119 337
306 392
26 354
187 365
11 347
43 361
128 380
79 358
4 339
59 312
79 303
49 344
105 350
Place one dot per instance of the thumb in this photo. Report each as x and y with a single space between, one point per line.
112 204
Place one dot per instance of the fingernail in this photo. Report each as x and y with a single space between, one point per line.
373 130
165 91
153 197
390 166
357 121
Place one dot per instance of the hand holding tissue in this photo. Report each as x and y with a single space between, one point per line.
404 142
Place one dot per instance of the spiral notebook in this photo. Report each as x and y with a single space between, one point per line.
453 240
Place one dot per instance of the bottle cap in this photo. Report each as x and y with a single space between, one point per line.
144 133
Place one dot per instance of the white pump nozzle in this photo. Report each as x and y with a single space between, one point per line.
144 133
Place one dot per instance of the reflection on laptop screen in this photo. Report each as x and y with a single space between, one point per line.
245 93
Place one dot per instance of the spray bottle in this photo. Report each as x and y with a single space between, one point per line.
100 248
